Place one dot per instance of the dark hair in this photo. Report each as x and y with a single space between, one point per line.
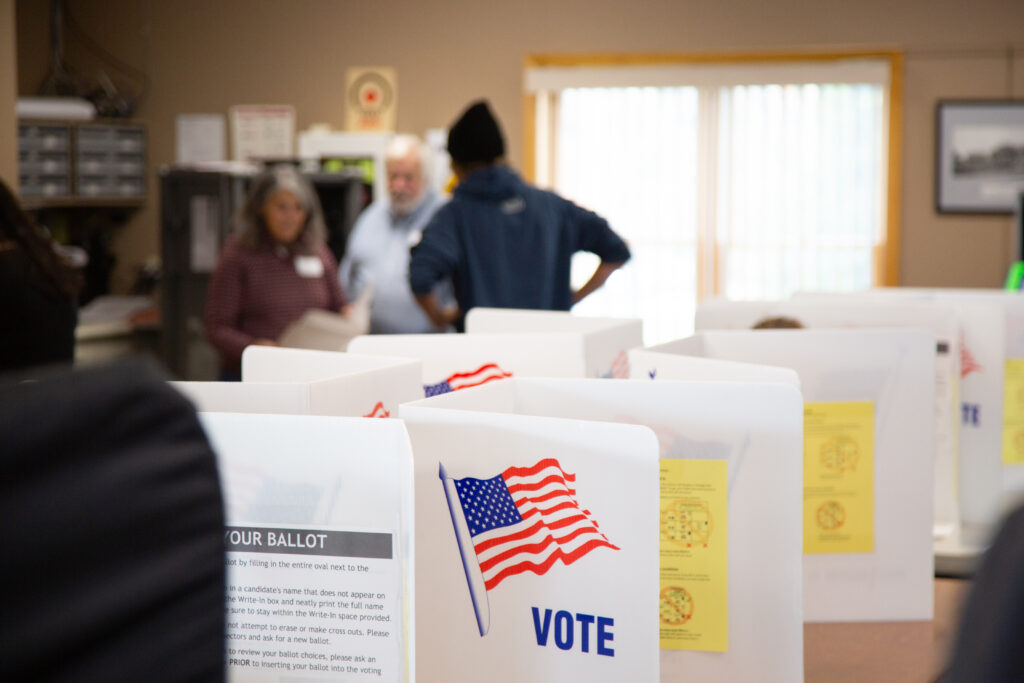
779 323
251 225
18 227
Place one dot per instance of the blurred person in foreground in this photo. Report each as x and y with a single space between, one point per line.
275 269
378 248
505 243
38 293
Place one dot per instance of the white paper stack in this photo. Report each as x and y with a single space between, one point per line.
328 331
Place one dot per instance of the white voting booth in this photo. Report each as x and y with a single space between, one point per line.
452 362
606 341
999 423
868 474
303 382
727 517
840 312
652 363
319 546
533 562
990 473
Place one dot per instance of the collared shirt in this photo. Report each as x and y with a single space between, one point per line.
256 293
378 254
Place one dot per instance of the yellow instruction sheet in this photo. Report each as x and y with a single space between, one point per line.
693 605
1013 412
839 477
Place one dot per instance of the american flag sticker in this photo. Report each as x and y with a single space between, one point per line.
968 364
379 411
464 380
619 368
525 519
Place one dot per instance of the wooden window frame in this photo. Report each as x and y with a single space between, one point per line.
887 254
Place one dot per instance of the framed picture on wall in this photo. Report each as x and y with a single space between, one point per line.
979 155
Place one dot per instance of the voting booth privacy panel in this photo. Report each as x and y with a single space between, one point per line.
536 547
719 513
1003 379
660 362
839 312
367 386
453 362
319 546
868 462
300 382
606 341
991 450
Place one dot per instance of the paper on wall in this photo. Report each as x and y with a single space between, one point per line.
199 138
262 132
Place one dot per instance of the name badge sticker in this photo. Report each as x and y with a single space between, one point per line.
309 266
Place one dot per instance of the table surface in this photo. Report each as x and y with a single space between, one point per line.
886 651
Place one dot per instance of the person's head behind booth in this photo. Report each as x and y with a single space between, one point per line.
778 323
475 140
282 209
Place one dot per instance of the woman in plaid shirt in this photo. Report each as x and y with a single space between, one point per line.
275 269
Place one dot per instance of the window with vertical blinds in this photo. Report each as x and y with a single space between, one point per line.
749 182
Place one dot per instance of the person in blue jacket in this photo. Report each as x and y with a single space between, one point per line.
504 243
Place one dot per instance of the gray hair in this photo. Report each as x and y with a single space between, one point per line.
250 218
404 144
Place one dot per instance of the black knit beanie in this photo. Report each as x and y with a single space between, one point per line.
476 137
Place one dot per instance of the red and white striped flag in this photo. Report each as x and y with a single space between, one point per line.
967 362
464 380
525 520
379 411
620 366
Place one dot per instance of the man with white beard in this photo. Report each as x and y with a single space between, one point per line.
378 247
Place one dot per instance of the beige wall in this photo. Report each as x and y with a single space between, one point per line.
204 56
8 92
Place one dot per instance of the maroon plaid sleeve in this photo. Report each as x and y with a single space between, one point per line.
338 296
224 304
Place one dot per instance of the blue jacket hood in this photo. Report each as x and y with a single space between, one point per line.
493 183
